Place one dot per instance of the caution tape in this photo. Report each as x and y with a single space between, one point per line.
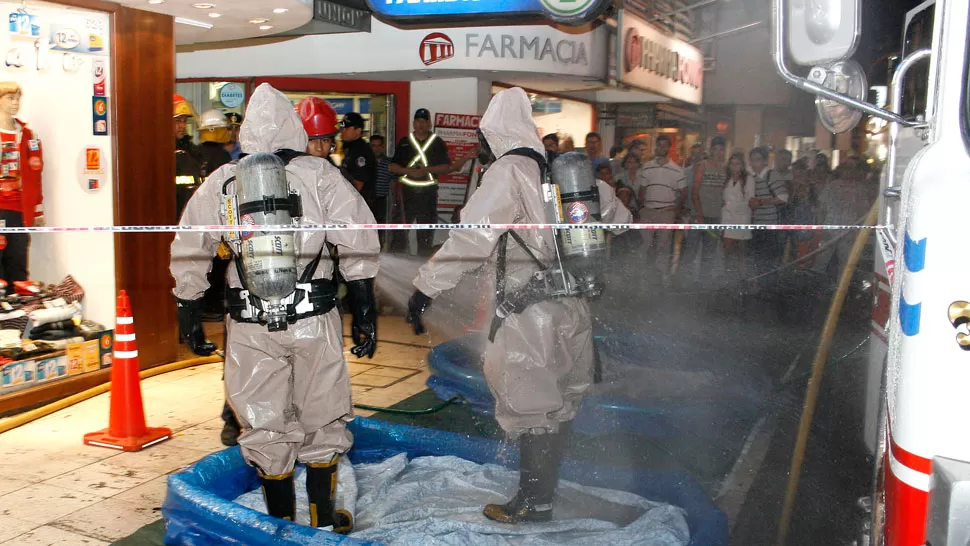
408 227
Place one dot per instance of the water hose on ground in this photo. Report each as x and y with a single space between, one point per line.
818 367
43 411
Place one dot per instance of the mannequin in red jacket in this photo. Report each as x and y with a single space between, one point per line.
21 197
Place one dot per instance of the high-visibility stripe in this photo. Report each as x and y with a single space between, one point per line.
125 320
421 158
184 180
125 337
126 354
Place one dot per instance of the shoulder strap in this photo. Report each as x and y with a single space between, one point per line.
288 155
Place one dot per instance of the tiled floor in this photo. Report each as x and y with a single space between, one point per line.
56 491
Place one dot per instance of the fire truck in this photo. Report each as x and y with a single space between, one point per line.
917 405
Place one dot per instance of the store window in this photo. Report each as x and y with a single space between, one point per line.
56 168
225 96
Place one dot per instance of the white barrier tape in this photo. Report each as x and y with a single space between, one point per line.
126 354
407 227
125 320
124 337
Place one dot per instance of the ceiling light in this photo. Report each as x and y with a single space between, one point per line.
214 15
258 21
265 27
192 23
203 5
280 10
156 1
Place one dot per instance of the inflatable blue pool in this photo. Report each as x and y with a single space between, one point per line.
199 510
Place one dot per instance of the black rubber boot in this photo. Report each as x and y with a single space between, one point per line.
280 495
321 488
230 433
539 458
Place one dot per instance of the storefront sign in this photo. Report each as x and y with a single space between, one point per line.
551 51
231 95
458 132
336 14
654 62
454 11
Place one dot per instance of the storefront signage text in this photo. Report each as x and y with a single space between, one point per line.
336 14
658 63
455 11
523 47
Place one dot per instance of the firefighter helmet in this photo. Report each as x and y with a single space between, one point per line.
182 107
319 118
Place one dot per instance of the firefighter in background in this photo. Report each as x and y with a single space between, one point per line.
320 122
21 191
286 377
418 161
188 159
213 137
540 360
235 121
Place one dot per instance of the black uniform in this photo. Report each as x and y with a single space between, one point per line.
214 155
421 202
188 163
360 164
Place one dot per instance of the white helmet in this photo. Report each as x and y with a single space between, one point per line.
213 119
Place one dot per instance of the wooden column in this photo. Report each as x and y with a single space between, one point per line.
144 81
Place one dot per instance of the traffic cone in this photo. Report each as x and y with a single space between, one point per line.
126 423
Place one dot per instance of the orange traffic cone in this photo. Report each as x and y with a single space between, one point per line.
126 423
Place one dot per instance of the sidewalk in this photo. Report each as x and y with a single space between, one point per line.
56 491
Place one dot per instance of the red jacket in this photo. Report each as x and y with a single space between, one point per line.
31 167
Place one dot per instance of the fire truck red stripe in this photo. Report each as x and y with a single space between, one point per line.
910 460
905 512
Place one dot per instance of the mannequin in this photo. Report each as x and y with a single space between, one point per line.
21 192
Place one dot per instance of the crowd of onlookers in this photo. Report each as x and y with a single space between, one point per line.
758 187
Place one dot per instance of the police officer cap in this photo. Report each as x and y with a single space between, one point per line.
422 113
352 119
234 118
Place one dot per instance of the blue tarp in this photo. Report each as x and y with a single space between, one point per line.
199 511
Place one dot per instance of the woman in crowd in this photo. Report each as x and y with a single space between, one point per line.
625 181
738 192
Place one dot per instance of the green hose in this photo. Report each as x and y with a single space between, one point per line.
434 409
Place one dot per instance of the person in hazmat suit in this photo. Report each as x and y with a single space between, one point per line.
285 373
540 360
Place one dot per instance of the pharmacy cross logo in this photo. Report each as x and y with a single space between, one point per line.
436 47
565 8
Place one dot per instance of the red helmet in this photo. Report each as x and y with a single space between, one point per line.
319 118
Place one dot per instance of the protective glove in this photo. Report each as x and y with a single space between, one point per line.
363 326
417 305
190 327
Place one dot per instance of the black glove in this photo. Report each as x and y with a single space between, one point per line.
363 327
417 305
190 327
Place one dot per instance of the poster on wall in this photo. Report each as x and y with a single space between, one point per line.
458 132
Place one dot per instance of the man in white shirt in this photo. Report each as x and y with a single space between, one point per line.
662 189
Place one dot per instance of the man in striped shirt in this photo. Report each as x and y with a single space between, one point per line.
661 189
771 191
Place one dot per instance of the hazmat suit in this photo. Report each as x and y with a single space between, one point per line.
540 363
290 389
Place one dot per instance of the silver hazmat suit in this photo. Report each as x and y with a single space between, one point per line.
290 389
541 362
